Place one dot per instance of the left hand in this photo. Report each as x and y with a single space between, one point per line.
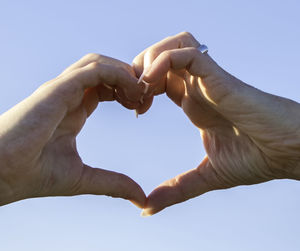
38 155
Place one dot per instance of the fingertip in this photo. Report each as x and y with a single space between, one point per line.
146 213
123 99
138 204
160 198
139 199
149 208
145 106
135 194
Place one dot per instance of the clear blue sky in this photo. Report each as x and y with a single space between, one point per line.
257 41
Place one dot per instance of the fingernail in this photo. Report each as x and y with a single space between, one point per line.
107 86
136 113
142 100
145 71
145 213
146 87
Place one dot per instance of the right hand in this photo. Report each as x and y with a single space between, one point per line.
249 136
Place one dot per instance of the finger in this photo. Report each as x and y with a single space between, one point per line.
94 57
183 187
141 63
175 63
101 93
189 58
173 85
72 85
101 61
120 96
145 106
102 182
105 93
93 96
176 88
85 60
233 99
181 40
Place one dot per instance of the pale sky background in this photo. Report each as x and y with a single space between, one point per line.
257 41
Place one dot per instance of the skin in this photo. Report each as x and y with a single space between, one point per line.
38 154
250 136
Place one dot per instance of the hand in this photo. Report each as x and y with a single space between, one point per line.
249 136
38 155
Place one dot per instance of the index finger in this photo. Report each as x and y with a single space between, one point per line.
97 73
145 58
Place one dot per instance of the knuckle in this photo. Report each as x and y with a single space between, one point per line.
122 72
166 54
167 38
150 53
128 68
121 76
92 56
136 61
153 53
185 34
187 38
94 65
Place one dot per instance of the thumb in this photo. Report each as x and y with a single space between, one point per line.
183 187
103 182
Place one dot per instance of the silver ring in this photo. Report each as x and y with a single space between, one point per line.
203 48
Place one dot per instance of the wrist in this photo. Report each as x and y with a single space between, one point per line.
10 190
6 190
9 193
